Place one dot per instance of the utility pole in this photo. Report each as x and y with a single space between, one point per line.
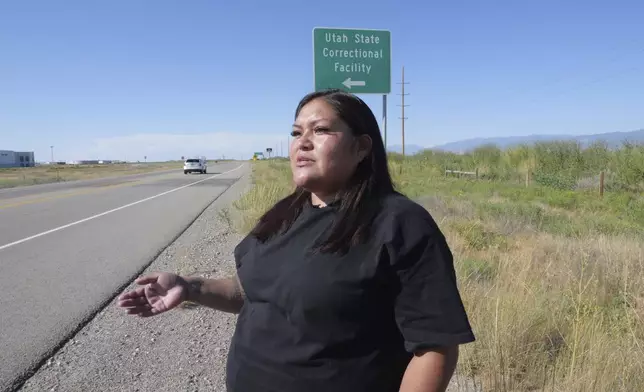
52 153
403 118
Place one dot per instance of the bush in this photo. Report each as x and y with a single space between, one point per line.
561 181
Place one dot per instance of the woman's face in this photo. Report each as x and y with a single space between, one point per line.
324 153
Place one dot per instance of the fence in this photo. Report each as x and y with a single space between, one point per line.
460 173
528 177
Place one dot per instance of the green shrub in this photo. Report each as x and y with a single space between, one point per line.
561 181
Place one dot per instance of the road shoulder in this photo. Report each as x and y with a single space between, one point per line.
184 349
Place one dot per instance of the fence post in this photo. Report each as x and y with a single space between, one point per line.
527 178
601 184
477 173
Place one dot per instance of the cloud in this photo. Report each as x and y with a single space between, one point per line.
166 146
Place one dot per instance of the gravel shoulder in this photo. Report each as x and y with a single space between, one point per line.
182 350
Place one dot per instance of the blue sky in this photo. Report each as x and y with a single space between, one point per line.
121 79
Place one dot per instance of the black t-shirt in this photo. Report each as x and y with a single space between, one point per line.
317 322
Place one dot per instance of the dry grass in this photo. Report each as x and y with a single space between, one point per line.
553 313
553 282
271 182
14 177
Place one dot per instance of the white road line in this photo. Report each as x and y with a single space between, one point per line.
114 210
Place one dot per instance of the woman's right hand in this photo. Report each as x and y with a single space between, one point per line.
161 292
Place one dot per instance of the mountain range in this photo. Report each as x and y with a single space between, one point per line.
612 139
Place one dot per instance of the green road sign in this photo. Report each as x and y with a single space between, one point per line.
355 60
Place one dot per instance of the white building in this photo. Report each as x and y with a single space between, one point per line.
16 159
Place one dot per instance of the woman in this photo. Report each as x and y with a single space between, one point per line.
345 285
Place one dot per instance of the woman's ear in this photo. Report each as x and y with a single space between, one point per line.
364 144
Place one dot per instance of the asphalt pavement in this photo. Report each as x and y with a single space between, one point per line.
66 249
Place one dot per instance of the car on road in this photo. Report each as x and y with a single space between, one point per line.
195 165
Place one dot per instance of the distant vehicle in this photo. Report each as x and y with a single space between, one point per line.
195 165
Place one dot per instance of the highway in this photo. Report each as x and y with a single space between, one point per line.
67 249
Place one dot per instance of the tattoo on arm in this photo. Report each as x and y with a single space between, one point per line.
194 289
225 294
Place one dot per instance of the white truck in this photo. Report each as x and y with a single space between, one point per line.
198 165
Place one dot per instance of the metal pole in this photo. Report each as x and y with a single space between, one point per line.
52 154
384 118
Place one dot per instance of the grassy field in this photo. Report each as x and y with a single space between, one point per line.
14 177
552 278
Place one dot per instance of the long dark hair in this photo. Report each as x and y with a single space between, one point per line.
359 200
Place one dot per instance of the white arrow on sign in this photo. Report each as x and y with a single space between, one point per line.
350 83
